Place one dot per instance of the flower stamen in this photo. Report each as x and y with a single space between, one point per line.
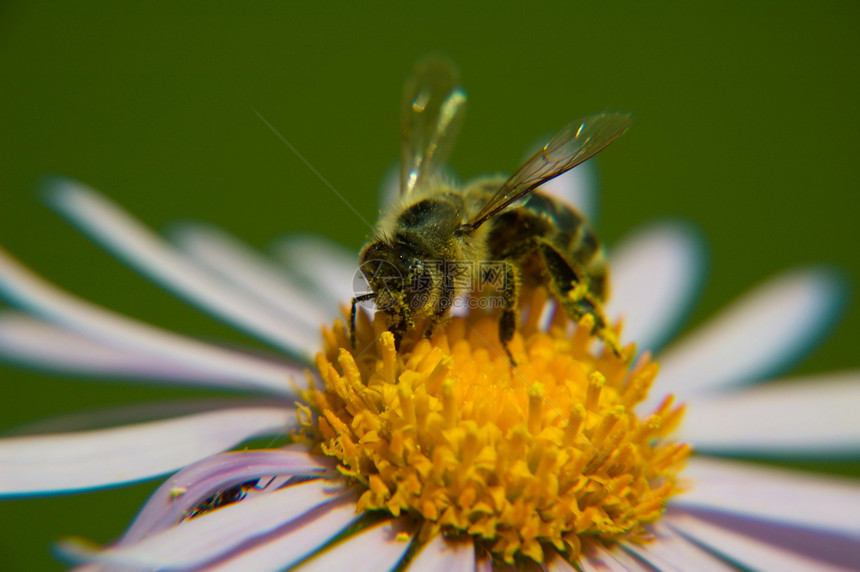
548 453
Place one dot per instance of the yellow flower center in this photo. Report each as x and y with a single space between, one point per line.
547 453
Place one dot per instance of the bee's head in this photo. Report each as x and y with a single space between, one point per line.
397 274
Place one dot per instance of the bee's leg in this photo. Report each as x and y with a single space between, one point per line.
401 321
352 314
510 299
398 330
446 300
565 277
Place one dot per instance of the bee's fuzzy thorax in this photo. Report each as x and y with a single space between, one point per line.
387 225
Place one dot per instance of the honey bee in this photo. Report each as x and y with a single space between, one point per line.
439 242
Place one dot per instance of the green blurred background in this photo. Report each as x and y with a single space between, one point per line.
746 123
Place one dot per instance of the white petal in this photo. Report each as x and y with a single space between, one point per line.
442 554
36 343
671 551
655 276
373 549
812 417
27 290
787 497
131 241
745 550
95 567
298 541
577 187
330 268
205 538
88 459
257 276
596 558
757 335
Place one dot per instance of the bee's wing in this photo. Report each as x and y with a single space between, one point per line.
576 143
433 106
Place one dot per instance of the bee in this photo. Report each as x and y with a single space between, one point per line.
439 242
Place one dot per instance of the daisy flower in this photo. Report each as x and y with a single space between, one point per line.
440 456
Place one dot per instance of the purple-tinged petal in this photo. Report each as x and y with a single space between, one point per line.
748 551
656 275
27 290
596 558
190 486
812 417
328 267
759 334
295 542
104 457
125 237
817 545
377 547
669 551
442 554
206 538
256 275
776 495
